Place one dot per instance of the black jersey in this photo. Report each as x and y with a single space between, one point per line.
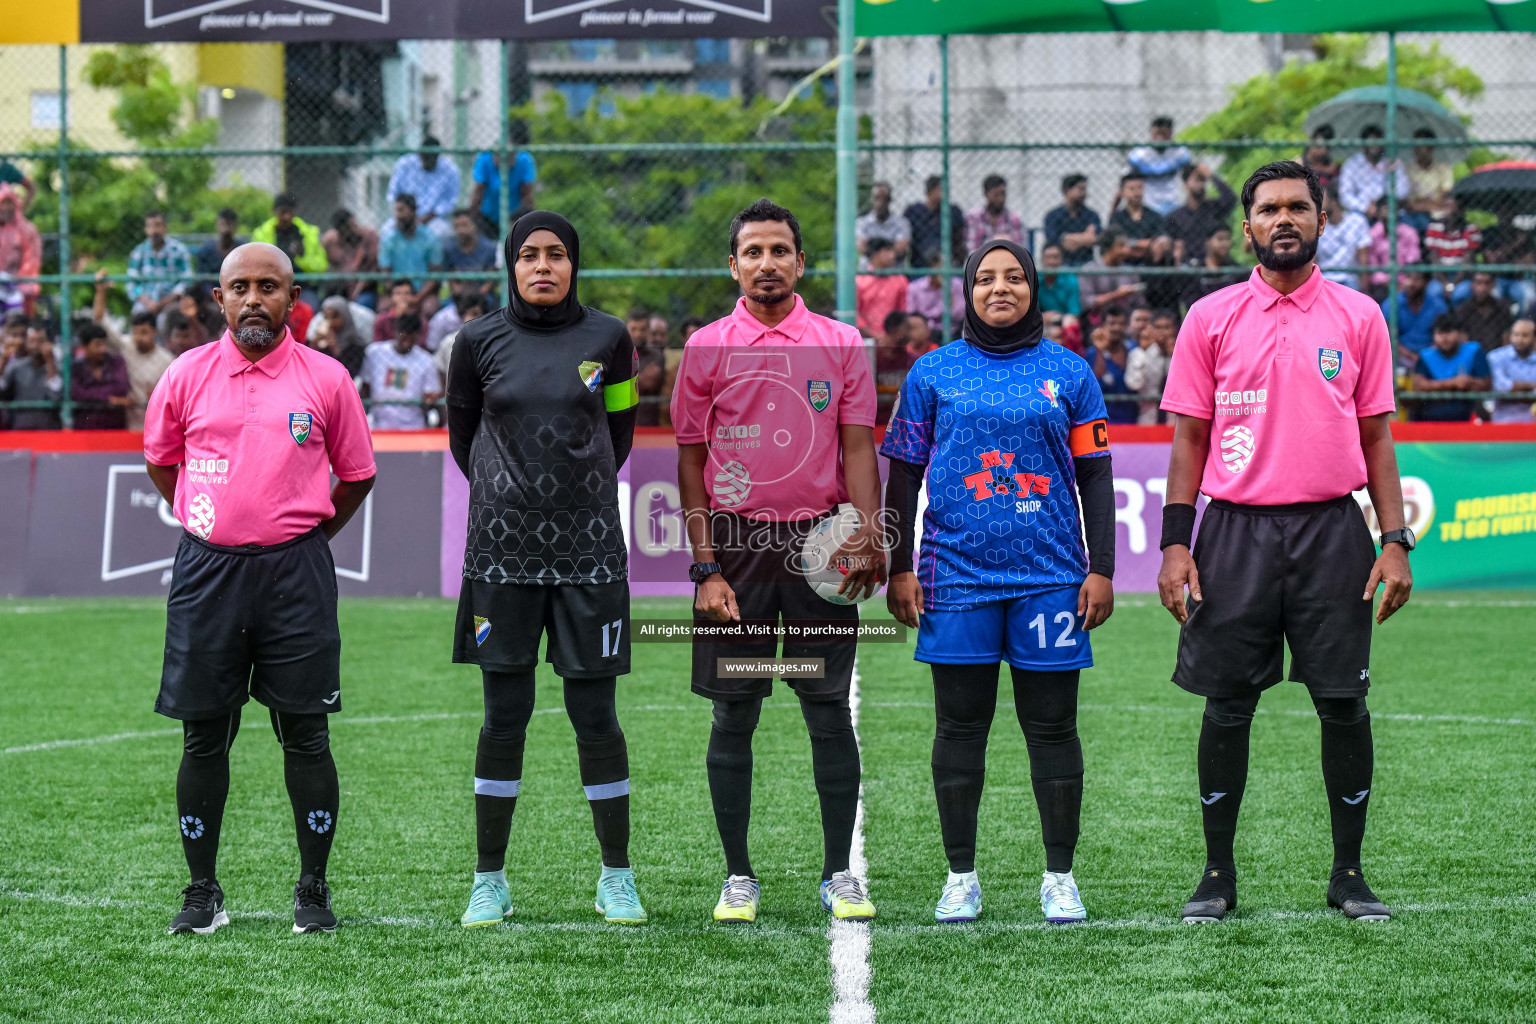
540 422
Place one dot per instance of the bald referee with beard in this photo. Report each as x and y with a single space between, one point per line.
241 438
1281 387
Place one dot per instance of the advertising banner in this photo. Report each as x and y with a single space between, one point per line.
97 527
1473 507
292 21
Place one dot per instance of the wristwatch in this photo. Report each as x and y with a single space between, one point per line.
1404 537
698 572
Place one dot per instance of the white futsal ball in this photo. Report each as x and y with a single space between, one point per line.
818 555
1236 448
732 484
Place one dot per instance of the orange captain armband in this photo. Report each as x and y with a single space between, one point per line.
1087 438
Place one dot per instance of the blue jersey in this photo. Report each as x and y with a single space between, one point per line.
997 434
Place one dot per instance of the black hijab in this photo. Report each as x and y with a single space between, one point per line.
1024 332
522 312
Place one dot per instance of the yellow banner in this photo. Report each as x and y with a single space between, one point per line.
41 21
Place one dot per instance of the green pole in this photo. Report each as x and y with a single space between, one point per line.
1392 317
66 343
946 250
503 156
847 166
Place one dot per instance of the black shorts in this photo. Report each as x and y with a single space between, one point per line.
251 622
758 560
500 625
1280 572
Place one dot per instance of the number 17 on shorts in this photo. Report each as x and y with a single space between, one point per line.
1040 631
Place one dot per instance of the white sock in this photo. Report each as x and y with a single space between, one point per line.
499 875
1053 877
967 876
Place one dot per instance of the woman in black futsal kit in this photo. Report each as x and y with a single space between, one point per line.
541 415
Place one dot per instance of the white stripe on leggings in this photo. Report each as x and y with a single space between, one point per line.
608 790
497 787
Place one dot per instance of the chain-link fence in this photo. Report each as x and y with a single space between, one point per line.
650 147
1085 148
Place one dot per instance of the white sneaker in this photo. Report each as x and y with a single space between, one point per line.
1059 899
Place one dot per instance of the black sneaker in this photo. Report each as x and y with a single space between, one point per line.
312 906
202 910
1348 892
1214 897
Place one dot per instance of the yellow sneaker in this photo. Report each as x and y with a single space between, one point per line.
738 900
843 897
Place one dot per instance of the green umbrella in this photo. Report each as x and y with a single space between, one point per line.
1352 111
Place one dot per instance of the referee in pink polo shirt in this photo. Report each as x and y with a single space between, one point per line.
241 437
773 410
1281 388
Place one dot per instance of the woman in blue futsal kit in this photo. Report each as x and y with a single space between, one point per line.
1008 429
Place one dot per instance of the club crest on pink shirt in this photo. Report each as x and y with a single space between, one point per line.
1329 360
298 426
819 392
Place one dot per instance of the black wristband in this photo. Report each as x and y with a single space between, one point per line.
1178 525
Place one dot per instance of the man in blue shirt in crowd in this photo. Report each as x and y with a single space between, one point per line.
1451 364
485 198
1514 369
1418 307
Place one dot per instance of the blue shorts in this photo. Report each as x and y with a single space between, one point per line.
1039 631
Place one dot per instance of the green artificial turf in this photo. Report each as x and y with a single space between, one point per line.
91 868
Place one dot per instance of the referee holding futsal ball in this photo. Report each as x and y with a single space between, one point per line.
774 409
1282 387
241 437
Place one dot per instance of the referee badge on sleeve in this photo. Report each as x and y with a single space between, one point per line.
298 426
1329 360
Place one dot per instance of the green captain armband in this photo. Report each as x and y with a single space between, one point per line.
621 396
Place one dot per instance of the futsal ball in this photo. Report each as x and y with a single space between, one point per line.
732 484
1236 448
818 555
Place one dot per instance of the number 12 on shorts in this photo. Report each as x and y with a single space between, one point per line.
611 631
1066 639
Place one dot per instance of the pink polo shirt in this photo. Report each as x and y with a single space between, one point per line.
769 402
257 442
1284 380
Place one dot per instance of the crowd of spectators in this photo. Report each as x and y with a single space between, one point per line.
1114 286
396 348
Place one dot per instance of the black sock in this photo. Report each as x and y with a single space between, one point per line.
498 776
604 760
310 774
835 764
202 786
601 761
965 699
1223 769
1348 760
499 762
729 766
1046 703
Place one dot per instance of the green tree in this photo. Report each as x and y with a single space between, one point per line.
107 195
671 210
1274 106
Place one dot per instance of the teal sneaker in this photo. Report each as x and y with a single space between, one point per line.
960 902
489 901
617 900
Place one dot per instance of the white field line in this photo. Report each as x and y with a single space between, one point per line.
90 741
850 941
